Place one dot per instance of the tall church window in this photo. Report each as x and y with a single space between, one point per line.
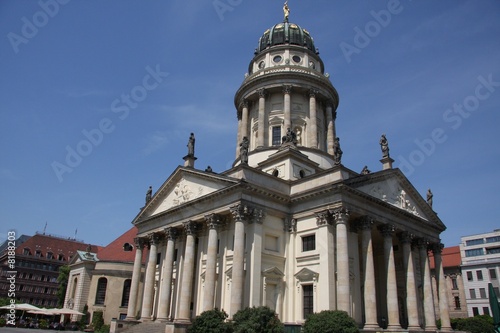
276 135
457 303
100 295
307 299
126 292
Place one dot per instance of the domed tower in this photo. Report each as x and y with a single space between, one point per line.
285 91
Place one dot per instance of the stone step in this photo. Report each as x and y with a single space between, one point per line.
146 327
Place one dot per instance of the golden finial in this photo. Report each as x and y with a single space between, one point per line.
286 10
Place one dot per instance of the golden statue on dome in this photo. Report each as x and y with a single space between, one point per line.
286 10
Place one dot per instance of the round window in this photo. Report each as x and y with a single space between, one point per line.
296 59
277 59
261 64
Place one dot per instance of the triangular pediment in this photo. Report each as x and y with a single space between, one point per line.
306 275
273 272
183 186
394 188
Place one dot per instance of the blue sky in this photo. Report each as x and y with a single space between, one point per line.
426 73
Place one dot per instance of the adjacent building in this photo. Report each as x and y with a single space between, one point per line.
480 266
457 302
102 281
38 259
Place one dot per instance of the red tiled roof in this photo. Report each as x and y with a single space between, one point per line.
114 250
56 245
450 256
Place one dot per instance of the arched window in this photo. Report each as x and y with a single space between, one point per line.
126 292
100 295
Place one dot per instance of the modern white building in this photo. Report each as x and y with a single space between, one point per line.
480 266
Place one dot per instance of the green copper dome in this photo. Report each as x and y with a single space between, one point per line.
285 33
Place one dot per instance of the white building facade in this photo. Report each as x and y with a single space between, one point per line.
288 226
480 266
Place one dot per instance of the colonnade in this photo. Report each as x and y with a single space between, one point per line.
312 125
242 215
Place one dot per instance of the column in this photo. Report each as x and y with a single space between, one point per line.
392 290
429 314
254 270
213 222
261 119
239 213
370 296
287 89
341 216
166 275
313 128
136 279
442 289
184 314
330 135
149 283
244 119
411 291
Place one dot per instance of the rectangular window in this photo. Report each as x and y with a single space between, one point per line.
497 291
477 241
276 135
475 311
474 252
472 293
308 299
454 283
469 276
482 292
493 273
309 243
493 239
479 275
486 310
457 303
494 250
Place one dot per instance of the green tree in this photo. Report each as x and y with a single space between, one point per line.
97 320
477 324
62 279
212 321
330 322
257 320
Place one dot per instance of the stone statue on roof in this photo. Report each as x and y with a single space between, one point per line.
429 197
190 145
384 145
149 194
337 152
244 150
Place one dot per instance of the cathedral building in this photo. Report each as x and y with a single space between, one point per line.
288 226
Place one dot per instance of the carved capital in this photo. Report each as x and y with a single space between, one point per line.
406 237
190 227
323 218
364 223
290 225
436 248
341 215
262 92
171 233
313 92
387 230
244 103
139 242
287 89
213 221
154 238
241 212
